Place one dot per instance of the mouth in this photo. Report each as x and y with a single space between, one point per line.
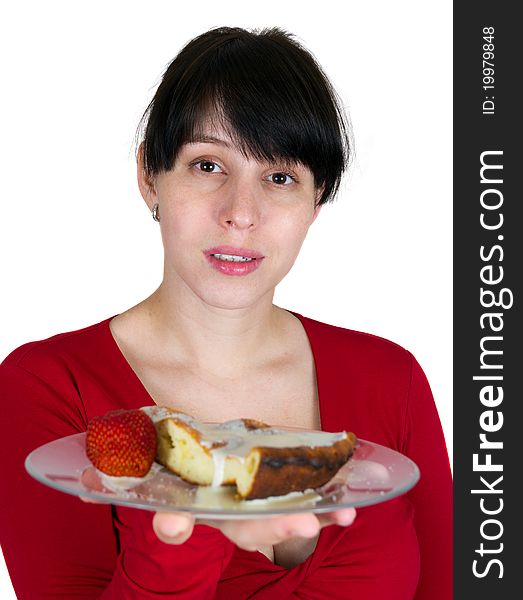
232 257
230 260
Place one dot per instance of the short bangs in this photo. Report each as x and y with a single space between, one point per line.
267 92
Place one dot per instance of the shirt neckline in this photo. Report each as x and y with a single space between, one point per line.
140 387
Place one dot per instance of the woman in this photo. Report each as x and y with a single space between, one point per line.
243 143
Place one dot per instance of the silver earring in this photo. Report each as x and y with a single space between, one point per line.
154 212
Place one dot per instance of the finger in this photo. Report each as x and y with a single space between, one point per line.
343 517
173 528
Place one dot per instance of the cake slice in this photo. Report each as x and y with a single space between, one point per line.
260 460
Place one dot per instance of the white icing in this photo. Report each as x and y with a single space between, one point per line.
224 498
159 413
218 456
118 484
233 425
238 441
290 498
233 438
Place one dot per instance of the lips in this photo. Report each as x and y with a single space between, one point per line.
234 251
231 260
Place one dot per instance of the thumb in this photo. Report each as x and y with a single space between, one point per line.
173 528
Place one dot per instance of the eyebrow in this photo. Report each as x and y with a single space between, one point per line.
209 139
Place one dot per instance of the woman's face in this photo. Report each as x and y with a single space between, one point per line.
231 226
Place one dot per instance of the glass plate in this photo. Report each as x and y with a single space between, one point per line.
374 474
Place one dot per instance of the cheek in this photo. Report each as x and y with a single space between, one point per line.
183 216
294 228
291 233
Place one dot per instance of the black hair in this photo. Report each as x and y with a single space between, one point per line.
268 93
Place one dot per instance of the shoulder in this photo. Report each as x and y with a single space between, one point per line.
44 357
366 381
365 349
47 381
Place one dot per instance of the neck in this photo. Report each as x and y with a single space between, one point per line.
228 342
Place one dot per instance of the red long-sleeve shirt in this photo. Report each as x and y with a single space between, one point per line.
56 546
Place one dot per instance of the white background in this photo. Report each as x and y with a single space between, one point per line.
77 243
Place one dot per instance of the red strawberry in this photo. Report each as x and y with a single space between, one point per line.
122 443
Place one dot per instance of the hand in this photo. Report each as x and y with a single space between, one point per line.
250 534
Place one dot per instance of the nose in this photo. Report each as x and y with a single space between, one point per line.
240 209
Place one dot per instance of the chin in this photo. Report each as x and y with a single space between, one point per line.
230 292
234 294
230 301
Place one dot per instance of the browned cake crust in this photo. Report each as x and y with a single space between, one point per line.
285 470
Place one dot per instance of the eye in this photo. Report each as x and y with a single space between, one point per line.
207 166
281 178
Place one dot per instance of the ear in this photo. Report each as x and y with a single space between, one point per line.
317 207
316 212
146 183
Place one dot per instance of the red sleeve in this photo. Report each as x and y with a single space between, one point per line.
54 544
424 443
57 546
149 569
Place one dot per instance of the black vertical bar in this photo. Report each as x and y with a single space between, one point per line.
488 356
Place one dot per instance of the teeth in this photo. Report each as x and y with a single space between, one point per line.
232 257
